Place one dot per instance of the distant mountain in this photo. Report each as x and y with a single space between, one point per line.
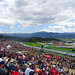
30 39
42 35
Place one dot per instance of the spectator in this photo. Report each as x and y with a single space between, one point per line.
54 71
2 71
28 69
32 70
43 71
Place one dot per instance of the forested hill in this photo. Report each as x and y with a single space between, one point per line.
42 35
31 39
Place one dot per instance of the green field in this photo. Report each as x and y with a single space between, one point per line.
53 48
32 44
61 49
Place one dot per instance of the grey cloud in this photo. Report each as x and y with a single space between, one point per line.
69 26
21 3
35 12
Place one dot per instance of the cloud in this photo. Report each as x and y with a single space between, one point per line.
46 30
11 27
59 28
35 13
7 22
19 26
22 28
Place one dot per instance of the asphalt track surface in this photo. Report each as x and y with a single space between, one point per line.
62 52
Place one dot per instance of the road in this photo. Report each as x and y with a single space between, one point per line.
67 53
65 46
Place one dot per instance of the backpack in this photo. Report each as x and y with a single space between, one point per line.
31 73
40 73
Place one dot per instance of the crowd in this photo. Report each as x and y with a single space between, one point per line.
13 46
24 63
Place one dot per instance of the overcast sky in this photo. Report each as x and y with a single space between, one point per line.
29 16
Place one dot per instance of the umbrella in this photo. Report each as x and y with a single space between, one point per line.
48 56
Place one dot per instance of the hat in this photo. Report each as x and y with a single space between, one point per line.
53 66
1 59
30 63
47 68
25 64
4 58
14 62
43 69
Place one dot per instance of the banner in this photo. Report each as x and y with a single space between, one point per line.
48 46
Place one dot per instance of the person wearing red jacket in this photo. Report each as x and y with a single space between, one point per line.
54 71
43 72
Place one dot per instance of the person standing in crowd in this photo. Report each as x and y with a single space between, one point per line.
28 69
2 71
54 71
32 70
43 71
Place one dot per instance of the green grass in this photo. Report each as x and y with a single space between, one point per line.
29 52
13 42
61 49
57 45
53 48
18 51
67 45
32 44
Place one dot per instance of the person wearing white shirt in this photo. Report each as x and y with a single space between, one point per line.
28 69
